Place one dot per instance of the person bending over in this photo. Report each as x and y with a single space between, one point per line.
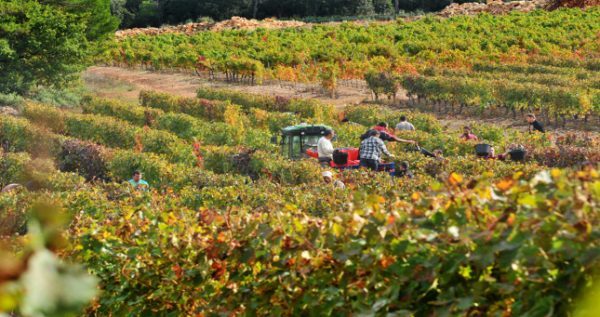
386 135
371 150
534 125
404 170
328 179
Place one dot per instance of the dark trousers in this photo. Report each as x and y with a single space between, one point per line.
370 164
325 161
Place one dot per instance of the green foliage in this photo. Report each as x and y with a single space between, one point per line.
18 135
198 108
305 108
519 68
13 218
229 226
13 166
369 115
111 132
382 84
135 13
59 35
42 284
67 97
124 111
96 15
435 247
11 100
157 171
46 43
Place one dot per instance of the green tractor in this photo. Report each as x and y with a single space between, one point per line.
297 139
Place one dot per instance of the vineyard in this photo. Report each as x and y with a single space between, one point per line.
484 62
215 202
230 226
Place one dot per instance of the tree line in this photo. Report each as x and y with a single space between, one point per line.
140 13
47 42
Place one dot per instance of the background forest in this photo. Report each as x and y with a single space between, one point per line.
139 13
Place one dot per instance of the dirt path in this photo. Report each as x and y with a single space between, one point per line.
121 83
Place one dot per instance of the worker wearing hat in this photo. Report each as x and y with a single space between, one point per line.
328 179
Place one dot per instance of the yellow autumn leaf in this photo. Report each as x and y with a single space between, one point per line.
518 175
455 179
337 230
416 196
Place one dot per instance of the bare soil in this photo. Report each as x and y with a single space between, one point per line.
126 84
121 83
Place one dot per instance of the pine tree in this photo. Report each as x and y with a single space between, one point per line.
365 7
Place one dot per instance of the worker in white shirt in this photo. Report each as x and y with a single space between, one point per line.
325 148
404 125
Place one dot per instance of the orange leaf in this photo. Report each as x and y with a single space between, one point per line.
505 185
455 179
386 261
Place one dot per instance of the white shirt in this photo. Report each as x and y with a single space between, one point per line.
406 126
339 184
325 148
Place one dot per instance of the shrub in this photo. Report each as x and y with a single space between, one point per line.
313 109
12 100
131 113
85 158
163 142
182 125
13 168
35 173
564 156
233 244
285 171
205 109
18 135
157 171
46 116
243 99
13 216
203 179
104 130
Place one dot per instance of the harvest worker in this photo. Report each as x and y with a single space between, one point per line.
325 148
489 155
347 121
137 182
514 152
404 125
404 170
534 125
468 134
371 149
386 135
328 179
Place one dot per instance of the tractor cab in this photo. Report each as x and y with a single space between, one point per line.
297 139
